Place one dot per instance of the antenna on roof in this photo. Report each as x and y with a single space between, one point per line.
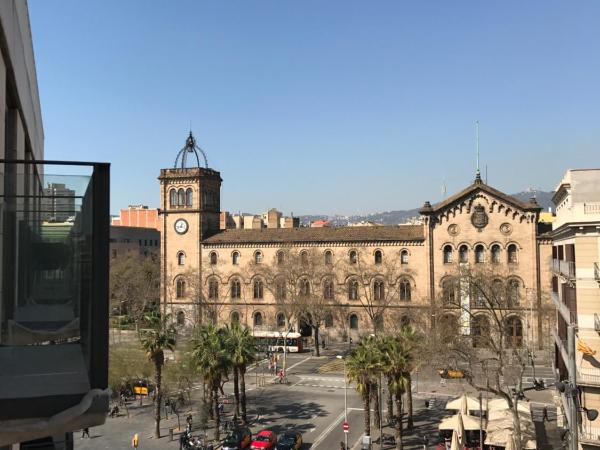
477 172
486 180
444 190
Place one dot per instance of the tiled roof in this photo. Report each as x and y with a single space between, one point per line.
309 235
530 206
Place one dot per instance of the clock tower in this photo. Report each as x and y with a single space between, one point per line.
189 211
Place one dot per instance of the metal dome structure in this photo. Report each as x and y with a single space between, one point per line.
191 147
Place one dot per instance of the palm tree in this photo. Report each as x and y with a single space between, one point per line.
395 362
362 365
158 337
212 360
242 352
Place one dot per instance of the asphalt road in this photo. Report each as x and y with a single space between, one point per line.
312 403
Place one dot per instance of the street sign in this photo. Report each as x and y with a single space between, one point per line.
346 427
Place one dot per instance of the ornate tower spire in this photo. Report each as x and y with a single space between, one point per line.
191 147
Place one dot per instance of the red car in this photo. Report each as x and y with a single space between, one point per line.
265 440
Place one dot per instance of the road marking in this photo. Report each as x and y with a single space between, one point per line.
328 430
297 364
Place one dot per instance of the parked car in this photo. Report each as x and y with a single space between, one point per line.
290 440
264 440
238 439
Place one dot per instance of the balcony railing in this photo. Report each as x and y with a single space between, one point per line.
562 346
596 323
597 272
563 309
564 268
54 301
589 433
588 376
591 208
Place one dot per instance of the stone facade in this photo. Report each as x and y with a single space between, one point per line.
490 228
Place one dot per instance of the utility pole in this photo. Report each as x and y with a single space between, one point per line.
572 397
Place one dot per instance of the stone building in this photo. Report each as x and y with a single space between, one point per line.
206 268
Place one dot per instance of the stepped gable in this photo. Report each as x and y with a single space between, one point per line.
318 235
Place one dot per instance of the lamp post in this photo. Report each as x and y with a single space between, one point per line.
345 399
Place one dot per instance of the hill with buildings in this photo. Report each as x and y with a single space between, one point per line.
543 198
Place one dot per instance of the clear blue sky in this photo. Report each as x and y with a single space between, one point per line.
322 107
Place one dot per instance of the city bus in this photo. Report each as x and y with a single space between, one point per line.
273 341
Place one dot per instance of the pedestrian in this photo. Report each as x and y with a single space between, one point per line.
323 343
270 365
85 432
342 446
545 417
275 368
281 376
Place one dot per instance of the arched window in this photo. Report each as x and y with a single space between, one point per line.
304 257
181 197
480 331
463 254
449 292
213 258
405 293
513 332
328 290
180 258
353 290
378 290
181 318
512 254
180 290
304 287
328 320
404 257
172 197
236 288
258 257
479 254
328 257
448 326
495 254
478 296
513 293
257 290
447 254
353 322
213 289
353 257
280 289
189 197
280 320
280 257
235 258
235 317
258 319
378 257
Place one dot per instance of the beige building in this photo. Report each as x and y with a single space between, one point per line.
407 266
576 289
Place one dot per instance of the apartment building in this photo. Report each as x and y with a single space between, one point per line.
576 294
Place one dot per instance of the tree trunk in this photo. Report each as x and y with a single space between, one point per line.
409 403
317 348
375 396
158 398
367 410
216 412
243 393
390 401
399 422
236 392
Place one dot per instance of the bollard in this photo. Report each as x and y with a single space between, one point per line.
170 434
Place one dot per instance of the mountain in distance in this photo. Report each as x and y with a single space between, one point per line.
543 198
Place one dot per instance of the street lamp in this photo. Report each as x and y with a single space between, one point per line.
345 399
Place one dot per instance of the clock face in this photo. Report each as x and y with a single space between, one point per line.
181 226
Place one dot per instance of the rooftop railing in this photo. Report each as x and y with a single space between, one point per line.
588 376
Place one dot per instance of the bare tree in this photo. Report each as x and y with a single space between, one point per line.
134 286
376 283
479 330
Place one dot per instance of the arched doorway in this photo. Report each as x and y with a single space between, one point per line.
181 318
304 325
513 332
